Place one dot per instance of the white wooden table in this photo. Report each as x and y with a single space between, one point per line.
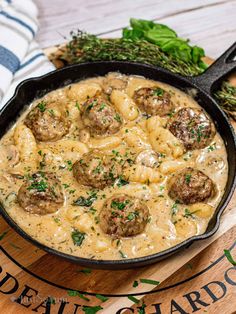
208 23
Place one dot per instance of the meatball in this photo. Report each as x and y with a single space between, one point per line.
114 81
190 186
100 117
193 127
154 101
96 169
47 122
123 216
41 194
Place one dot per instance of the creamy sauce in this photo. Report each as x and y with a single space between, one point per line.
169 223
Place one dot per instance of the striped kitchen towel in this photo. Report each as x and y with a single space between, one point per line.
20 55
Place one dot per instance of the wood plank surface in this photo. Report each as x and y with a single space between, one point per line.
210 24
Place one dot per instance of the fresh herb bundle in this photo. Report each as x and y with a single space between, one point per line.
150 43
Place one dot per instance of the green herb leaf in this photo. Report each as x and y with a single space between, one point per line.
78 237
135 284
2 236
230 257
141 310
91 309
121 181
74 293
122 254
42 106
87 202
102 297
133 299
150 282
86 271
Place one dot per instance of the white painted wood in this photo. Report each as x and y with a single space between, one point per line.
210 24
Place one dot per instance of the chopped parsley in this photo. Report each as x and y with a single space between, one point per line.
74 293
77 106
122 254
133 299
188 214
87 202
211 147
174 208
2 236
121 181
230 257
102 297
141 310
91 309
119 205
132 216
70 165
158 92
78 237
103 105
40 186
135 284
86 271
150 282
188 178
42 106
117 117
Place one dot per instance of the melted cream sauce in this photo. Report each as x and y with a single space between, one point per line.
164 230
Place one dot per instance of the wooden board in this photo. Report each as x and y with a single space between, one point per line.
199 279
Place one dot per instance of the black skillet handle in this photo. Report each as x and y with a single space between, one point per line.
211 78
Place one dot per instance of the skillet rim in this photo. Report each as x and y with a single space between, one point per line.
143 260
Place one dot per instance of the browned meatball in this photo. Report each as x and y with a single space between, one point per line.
41 194
123 216
154 101
190 186
193 127
100 117
96 169
47 122
114 81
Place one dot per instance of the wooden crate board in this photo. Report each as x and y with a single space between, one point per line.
199 279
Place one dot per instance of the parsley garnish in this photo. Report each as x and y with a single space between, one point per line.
77 106
141 310
211 147
150 282
42 106
133 299
174 208
78 237
135 284
119 205
91 309
117 117
122 181
87 202
103 105
40 186
122 254
158 92
188 178
102 297
74 293
3 235
86 271
230 257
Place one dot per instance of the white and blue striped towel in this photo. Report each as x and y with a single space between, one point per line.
20 55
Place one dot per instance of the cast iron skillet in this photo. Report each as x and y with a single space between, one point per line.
204 84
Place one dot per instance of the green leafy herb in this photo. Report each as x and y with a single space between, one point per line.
226 97
230 257
211 147
174 208
102 297
121 181
2 236
167 39
40 186
141 310
119 205
133 299
188 214
135 284
87 202
91 309
42 106
77 106
86 271
158 92
103 105
122 254
150 282
188 178
74 293
117 117
78 237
